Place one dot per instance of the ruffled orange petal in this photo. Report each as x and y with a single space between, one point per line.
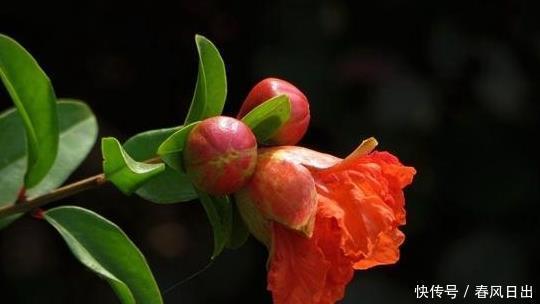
298 268
313 270
329 234
369 190
385 251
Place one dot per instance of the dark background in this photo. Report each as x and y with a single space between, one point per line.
452 89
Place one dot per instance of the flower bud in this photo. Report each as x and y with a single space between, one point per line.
293 130
220 155
280 190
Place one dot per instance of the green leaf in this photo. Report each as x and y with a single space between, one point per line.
12 156
33 95
239 233
144 145
78 131
171 149
106 250
220 214
78 134
211 87
169 186
124 172
266 119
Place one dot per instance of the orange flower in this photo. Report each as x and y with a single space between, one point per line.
319 228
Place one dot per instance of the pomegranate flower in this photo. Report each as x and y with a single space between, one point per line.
323 217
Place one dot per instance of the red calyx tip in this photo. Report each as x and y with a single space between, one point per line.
38 214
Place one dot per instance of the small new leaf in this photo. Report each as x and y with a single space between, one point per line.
124 172
267 118
106 250
211 87
171 149
168 187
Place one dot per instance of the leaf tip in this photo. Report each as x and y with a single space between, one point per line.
199 38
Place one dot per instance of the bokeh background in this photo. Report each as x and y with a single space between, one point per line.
451 88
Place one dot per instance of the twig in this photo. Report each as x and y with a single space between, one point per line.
25 205
57 194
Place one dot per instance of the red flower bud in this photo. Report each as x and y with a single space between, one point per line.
293 130
220 155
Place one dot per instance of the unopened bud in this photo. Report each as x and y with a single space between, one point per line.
294 129
220 155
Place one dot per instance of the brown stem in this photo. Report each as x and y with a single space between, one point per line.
25 205
62 192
